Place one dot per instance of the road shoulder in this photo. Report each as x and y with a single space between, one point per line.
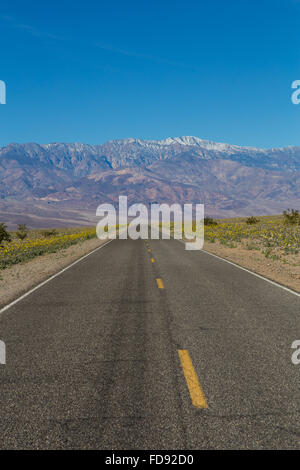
286 274
19 278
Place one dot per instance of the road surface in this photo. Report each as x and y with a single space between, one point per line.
143 345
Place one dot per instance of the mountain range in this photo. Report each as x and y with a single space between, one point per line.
62 184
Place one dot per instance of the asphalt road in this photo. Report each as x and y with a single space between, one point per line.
93 356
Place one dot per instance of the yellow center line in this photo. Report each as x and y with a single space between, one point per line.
196 392
160 284
152 260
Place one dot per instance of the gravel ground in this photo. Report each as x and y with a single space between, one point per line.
287 274
17 279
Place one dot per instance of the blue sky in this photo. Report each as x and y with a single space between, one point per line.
93 71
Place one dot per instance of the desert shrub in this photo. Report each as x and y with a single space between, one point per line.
22 231
4 235
291 216
210 221
267 252
50 232
252 220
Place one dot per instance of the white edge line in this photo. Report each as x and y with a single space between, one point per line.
248 271
50 278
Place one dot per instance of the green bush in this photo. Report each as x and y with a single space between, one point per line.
210 221
252 220
291 216
4 235
22 231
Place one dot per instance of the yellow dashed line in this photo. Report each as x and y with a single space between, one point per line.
152 260
160 284
196 393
